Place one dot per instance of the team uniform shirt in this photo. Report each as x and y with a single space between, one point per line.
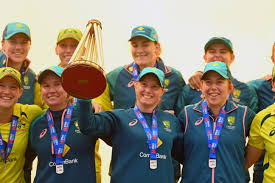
230 150
13 172
264 92
130 152
31 91
78 156
265 98
122 91
243 94
262 137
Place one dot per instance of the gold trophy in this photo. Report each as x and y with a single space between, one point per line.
84 76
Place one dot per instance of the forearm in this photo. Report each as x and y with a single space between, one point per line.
252 154
91 124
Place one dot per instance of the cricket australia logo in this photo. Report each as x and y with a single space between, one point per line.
167 126
231 122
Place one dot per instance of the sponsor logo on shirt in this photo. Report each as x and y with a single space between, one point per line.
133 123
199 121
65 162
26 87
147 155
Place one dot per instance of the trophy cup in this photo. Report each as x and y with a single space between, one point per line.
84 76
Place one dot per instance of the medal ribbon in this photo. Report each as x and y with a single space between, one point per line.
74 101
59 145
13 128
213 139
152 137
136 73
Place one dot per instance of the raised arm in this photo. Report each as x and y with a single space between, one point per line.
101 124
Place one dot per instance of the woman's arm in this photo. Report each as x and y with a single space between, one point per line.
100 124
252 154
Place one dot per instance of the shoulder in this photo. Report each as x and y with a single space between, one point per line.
173 70
244 109
190 109
256 83
29 111
116 71
270 110
244 86
38 119
162 113
31 72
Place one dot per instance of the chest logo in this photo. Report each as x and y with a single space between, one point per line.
237 93
77 130
199 121
131 68
21 126
272 132
131 83
26 80
167 126
231 120
133 123
42 134
166 82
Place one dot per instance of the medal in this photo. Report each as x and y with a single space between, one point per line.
59 169
212 136
152 136
59 145
212 163
153 164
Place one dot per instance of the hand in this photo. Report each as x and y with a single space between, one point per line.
97 107
195 81
170 111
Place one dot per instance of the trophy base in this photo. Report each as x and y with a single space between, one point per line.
84 80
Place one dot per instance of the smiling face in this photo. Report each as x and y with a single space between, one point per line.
216 89
16 48
144 51
65 50
10 92
148 92
53 93
219 52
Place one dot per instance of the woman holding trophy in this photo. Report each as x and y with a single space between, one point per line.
142 137
64 153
